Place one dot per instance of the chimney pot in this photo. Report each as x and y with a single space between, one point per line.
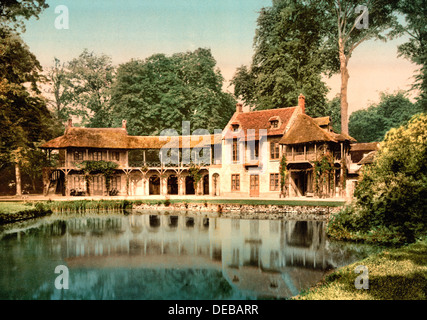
124 124
301 102
239 107
70 123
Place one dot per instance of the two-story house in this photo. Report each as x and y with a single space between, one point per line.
244 160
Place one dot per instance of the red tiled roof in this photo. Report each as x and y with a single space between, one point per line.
257 120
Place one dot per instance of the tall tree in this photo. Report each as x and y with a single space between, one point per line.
351 24
86 82
60 90
24 117
288 59
160 92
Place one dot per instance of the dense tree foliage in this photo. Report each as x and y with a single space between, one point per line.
14 12
391 197
24 117
81 88
59 91
415 49
333 110
160 92
288 59
393 110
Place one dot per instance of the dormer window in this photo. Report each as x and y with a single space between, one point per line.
235 127
274 124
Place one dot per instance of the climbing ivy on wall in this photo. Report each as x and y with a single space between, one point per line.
106 168
195 173
283 174
324 172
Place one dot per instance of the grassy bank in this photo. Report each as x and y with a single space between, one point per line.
14 207
394 274
17 211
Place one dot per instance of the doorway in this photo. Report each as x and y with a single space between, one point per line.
254 185
189 185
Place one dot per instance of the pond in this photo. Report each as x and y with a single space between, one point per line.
166 256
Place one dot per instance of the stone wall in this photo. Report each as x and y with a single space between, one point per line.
248 211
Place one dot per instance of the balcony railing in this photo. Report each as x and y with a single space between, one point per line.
75 163
308 156
301 156
158 164
131 164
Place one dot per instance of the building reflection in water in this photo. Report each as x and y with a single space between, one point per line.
268 258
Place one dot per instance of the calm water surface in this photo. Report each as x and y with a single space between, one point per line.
166 256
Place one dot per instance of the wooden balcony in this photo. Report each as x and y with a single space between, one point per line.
300 156
137 165
308 156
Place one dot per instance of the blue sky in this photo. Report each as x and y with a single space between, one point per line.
139 28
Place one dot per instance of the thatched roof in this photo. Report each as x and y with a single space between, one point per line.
117 138
368 146
368 159
112 138
322 121
257 120
341 136
306 130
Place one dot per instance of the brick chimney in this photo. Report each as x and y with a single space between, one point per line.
124 124
69 125
239 107
301 102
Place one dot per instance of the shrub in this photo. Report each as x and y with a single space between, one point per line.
391 197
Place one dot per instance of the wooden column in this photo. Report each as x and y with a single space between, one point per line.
127 172
67 187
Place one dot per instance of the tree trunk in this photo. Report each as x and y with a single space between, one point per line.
18 180
344 83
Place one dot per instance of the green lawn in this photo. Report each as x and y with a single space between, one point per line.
14 207
394 274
